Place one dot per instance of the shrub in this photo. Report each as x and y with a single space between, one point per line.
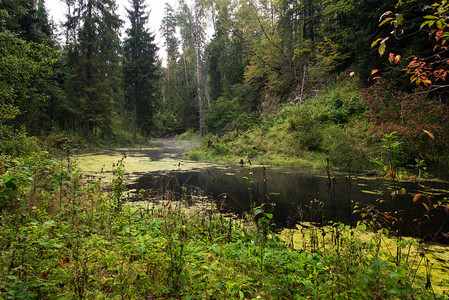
421 124
189 135
346 147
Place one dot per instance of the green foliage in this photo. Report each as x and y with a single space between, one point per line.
332 124
140 70
92 57
16 143
90 250
223 113
420 123
23 66
118 186
189 135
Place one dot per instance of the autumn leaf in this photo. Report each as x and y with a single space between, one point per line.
385 14
438 35
429 134
397 59
385 21
416 197
375 42
382 48
391 57
374 71
426 81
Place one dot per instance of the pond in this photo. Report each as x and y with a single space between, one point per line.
293 195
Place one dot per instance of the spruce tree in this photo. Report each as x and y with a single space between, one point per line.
93 59
139 69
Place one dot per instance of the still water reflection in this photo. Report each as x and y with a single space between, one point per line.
293 194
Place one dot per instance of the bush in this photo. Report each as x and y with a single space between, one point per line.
421 123
346 147
189 135
223 112
15 142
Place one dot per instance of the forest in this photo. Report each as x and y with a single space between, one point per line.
343 85
311 71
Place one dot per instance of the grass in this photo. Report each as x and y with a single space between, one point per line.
66 237
333 125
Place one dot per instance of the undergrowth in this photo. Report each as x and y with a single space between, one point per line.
333 124
65 236
343 122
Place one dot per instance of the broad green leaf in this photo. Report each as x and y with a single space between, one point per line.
382 48
428 23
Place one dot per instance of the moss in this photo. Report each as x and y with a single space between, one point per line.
141 160
303 235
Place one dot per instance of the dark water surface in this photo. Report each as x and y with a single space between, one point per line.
295 195
292 194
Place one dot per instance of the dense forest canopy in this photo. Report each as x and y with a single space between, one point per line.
336 85
262 57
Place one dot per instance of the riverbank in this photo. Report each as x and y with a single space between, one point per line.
343 128
91 246
65 235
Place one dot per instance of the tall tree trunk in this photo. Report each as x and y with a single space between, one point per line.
185 65
200 97
206 92
198 75
86 125
89 55
168 87
135 113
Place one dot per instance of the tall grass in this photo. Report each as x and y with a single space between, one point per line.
63 236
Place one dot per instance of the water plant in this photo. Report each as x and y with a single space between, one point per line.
87 248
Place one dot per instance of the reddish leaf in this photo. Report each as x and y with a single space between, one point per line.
385 21
416 197
375 42
446 208
397 59
391 57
